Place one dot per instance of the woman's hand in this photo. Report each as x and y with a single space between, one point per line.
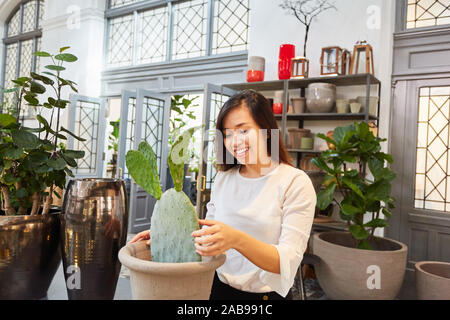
215 239
144 235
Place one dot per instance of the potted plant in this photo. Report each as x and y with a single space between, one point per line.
357 264
33 164
171 269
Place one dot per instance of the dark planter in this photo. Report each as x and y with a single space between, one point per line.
29 255
93 229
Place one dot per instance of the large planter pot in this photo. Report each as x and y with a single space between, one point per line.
167 281
346 272
93 229
433 280
29 255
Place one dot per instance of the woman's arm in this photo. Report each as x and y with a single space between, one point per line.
219 237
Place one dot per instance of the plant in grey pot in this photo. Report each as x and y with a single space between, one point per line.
357 264
33 164
171 269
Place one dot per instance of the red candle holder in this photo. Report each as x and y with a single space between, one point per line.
287 52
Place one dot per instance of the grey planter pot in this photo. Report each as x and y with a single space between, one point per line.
29 255
432 280
347 273
167 281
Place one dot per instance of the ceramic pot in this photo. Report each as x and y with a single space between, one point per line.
342 105
373 104
168 281
348 273
432 280
320 97
355 107
299 105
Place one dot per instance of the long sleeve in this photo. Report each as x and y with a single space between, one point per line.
297 217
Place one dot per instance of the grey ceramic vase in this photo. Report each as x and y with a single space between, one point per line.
94 225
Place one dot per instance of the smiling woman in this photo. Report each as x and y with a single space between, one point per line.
261 208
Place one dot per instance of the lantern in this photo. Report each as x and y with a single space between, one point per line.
333 61
300 68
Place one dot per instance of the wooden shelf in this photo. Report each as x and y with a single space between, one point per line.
326 116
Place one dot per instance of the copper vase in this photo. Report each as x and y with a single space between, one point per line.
94 225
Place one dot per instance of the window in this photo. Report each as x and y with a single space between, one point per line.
23 37
140 32
426 13
432 179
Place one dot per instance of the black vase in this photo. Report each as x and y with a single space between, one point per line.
93 230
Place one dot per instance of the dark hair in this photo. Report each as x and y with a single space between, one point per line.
261 112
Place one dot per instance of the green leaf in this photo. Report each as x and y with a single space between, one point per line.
376 223
31 100
42 54
73 135
358 232
349 210
364 244
350 184
57 164
149 154
75 154
341 134
63 49
13 153
70 161
55 68
321 164
178 155
326 196
67 57
142 173
25 139
6 120
37 87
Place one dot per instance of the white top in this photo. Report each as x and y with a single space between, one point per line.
278 209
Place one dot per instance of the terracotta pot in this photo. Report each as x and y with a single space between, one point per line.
348 273
432 280
167 281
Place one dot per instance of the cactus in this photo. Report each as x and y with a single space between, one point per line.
174 217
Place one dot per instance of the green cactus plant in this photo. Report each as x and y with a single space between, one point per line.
174 217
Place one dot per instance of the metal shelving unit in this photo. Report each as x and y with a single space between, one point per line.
366 80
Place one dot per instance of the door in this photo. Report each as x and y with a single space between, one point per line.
420 146
147 119
214 98
87 120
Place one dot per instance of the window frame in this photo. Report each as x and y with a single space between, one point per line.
19 38
140 6
401 12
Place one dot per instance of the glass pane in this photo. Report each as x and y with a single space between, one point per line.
426 13
29 10
86 127
433 144
11 65
41 13
152 126
120 42
189 30
119 3
14 24
231 24
131 127
26 57
153 35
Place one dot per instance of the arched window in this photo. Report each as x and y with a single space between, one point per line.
23 37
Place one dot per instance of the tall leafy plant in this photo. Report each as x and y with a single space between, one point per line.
356 153
33 161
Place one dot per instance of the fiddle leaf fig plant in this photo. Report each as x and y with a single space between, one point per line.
174 217
347 184
33 162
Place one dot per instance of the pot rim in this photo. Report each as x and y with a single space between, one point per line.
165 268
418 267
402 248
6 221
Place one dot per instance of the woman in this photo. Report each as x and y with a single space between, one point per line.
261 208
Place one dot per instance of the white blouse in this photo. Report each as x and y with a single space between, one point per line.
278 209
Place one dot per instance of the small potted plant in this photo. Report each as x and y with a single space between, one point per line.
357 264
33 165
171 268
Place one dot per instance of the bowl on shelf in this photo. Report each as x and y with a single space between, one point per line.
320 97
373 104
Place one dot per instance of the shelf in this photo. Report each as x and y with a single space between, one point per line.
304 150
326 116
347 80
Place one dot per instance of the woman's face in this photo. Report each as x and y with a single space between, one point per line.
243 137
